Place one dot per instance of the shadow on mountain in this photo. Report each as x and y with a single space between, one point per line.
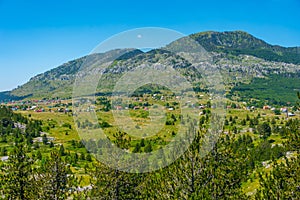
7 96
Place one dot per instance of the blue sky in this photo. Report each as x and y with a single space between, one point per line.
36 36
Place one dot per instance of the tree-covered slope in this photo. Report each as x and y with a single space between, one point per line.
239 42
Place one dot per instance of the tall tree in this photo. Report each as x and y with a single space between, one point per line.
54 178
18 179
108 183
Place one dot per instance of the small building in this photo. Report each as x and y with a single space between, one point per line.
33 107
284 110
136 107
291 114
4 158
118 107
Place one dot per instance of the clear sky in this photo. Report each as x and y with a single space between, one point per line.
36 36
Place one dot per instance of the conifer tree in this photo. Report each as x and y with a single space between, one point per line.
18 176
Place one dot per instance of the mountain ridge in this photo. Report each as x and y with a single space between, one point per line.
241 42
59 80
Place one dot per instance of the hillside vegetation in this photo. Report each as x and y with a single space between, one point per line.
43 157
239 55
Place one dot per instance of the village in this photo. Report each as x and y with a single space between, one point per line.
144 102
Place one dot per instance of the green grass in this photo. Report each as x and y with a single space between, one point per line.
61 134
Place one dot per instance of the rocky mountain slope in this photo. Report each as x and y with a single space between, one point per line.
239 56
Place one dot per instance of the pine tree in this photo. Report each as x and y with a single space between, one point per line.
53 178
108 183
148 148
62 150
45 139
137 148
18 179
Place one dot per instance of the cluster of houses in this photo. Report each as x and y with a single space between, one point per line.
146 107
282 110
119 107
37 108
40 105
29 102
266 107
56 105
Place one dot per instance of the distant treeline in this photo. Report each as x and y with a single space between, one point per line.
276 89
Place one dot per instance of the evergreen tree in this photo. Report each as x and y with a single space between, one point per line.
53 178
18 179
264 129
148 147
137 148
45 139
62 150
108 183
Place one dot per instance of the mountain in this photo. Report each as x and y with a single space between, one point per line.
57 80
240 57
239 42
